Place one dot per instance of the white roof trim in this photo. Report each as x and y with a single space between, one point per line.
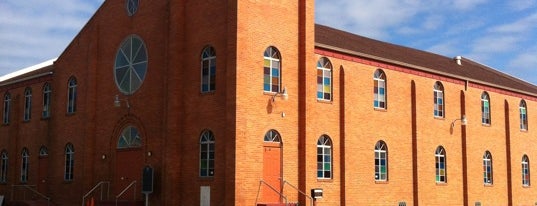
27 70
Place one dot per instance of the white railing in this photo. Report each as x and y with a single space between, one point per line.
132 184
261 182
29 188
100 186
300 191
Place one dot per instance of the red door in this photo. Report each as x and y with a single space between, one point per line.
272 161
42 174
129 165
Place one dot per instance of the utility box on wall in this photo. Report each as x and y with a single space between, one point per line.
317 193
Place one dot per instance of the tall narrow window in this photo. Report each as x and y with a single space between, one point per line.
324 79
271 70
487 168
324 158
379 89
485 109
71 96
69 162
24 165
438 100
7 106
207 154
208 69
381 161
525 171
3 167
440 156
46 100
523 115
27 104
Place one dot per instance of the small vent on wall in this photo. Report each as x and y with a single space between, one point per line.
402 203
477 203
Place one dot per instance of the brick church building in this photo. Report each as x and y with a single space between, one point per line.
248 102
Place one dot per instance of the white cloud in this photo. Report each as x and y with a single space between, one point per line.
520 25
34 31
519 5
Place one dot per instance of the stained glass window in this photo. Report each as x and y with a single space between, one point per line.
324 79
523 115
132 6
438 100
487 168
440 164
271 70
525 171
324 157
207 154
485 109
272 136
208 70
381 161
379 89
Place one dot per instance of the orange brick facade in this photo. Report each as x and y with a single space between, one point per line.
171 114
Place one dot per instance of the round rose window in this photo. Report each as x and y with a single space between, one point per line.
130 67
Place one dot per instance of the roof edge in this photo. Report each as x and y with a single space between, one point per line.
27 70
425 69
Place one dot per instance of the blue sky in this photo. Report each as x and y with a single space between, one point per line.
500 34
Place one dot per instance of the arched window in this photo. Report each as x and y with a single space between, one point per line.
324 79
379 89
523 115
271 70
272 136
71 95
207 154
27 104
7 106
381 161
525 171
43 151
487 168
25 163
440 157
324 157
3 167
69 162
438 100
130 138
208 69
485 109
47 91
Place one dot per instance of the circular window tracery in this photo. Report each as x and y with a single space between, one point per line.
130 65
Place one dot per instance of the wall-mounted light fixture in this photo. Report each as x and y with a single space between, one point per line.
149 154
103 157
463 120
283 94
117 102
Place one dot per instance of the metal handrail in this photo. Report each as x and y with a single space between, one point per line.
300 191
29 187
272 188
133 183
98 185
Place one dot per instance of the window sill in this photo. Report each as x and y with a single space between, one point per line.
206 179
380 109
488 185
325 180
441 184
526 186
381 182
324 101
524 130
208 93
485 125
439 118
